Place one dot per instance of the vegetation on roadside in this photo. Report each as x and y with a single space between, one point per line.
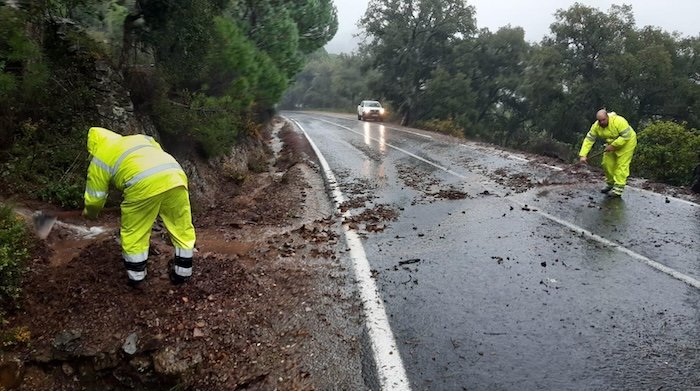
427 61
667 152
14 253
206 73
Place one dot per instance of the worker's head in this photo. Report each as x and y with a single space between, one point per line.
98 137
602 117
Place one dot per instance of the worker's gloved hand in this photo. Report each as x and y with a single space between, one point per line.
91 212
583 159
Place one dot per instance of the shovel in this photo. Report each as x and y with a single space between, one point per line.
586 165
44 221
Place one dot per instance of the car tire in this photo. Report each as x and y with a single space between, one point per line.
358 117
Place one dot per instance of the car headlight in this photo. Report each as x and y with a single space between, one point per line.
381 111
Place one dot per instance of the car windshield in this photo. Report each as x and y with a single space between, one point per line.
373 104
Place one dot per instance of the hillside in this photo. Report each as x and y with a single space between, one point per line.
269 306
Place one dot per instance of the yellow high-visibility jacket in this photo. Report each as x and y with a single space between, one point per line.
617 133
137 165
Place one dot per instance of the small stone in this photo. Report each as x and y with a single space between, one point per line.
67 369
11 371
130 344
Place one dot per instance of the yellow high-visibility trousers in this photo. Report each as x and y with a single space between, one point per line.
616 165
173 207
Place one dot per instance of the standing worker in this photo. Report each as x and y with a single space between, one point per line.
621 140
153 184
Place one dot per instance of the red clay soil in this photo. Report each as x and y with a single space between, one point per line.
270 305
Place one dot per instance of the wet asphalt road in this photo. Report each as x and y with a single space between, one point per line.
545 289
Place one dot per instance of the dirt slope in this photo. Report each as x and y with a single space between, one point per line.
270 306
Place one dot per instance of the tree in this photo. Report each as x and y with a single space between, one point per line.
350 81
317 23
588 45
330 81
408 40
227 61
494 63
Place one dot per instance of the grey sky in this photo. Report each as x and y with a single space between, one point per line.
534 16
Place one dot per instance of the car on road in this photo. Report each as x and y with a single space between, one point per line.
370 109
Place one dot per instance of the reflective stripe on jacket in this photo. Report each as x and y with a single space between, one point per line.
617 133
137 165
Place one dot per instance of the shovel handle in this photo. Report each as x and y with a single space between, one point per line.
62 214
65 213
598 153
592 156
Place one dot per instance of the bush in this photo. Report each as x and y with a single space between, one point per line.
542 143
667 152
444 126
14 252
66 195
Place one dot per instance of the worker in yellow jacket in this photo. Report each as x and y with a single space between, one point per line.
621 140
153 184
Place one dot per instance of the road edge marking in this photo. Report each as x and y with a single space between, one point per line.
391 372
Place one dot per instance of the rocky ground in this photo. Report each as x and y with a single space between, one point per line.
271 304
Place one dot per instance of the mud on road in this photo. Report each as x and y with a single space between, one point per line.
271 305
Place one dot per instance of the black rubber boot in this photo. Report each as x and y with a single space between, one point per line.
181 262
134 283
177 279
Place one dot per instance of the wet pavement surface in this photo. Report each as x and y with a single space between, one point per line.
487 289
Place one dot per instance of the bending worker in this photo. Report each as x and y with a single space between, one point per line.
621 140
153 184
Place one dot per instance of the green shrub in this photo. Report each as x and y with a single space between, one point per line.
444 126
542 143
66 195
667 152
14 252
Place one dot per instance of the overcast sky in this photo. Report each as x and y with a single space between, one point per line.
534 16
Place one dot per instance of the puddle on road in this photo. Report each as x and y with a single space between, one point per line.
224 247
67 240
65 251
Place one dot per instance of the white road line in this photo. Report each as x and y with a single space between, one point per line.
654 264
391 372
522 159
413 155
388 127
411 132
555 168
